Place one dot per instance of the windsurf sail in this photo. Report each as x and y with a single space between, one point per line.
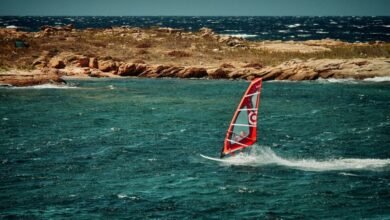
243 127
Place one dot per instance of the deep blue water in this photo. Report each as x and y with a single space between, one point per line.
130 148
257 28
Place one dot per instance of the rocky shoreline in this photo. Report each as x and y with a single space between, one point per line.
55 52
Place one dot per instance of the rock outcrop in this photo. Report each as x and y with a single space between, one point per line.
107 66
327 68
168 52
29 78
134 69
56 63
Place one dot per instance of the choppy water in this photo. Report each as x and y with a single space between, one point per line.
257 28
130 149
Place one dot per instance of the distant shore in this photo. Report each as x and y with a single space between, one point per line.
30 58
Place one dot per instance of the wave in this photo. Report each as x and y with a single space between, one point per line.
378 79
354 81
47 86
333 80
240 35
293 25
261 156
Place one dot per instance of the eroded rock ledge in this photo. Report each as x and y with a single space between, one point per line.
292 70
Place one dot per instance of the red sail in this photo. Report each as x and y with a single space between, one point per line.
243 128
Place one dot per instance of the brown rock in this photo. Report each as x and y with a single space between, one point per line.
28 78
326 75
273 74
227 65
206 32
76 71
192 72
254 65
286 73
219 74
134 69
40 62
150 73
168 71
236 74
56 63
83 62
304 74
360 62
93 63
107 66
234 42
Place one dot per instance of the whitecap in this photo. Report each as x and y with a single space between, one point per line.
333 80
122 196
12 27
359 26
293 25
378 79
347 174
304 35
322 32
231 31
114 129
240 35
47 86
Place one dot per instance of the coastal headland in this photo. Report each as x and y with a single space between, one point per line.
49 55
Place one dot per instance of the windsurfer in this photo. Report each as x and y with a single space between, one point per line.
241 136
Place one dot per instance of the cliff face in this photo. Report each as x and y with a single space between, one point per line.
54 52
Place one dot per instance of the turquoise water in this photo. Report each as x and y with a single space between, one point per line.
130 149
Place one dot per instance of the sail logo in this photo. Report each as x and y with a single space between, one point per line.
252 118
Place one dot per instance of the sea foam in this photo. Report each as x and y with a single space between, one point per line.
378 79
261 156
240 35
47 86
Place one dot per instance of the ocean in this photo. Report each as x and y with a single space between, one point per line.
351 29
130 148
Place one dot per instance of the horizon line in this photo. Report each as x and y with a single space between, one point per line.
33 15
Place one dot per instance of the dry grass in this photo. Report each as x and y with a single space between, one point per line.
178 53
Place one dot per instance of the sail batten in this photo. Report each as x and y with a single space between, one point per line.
243 127
252 94
250 109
